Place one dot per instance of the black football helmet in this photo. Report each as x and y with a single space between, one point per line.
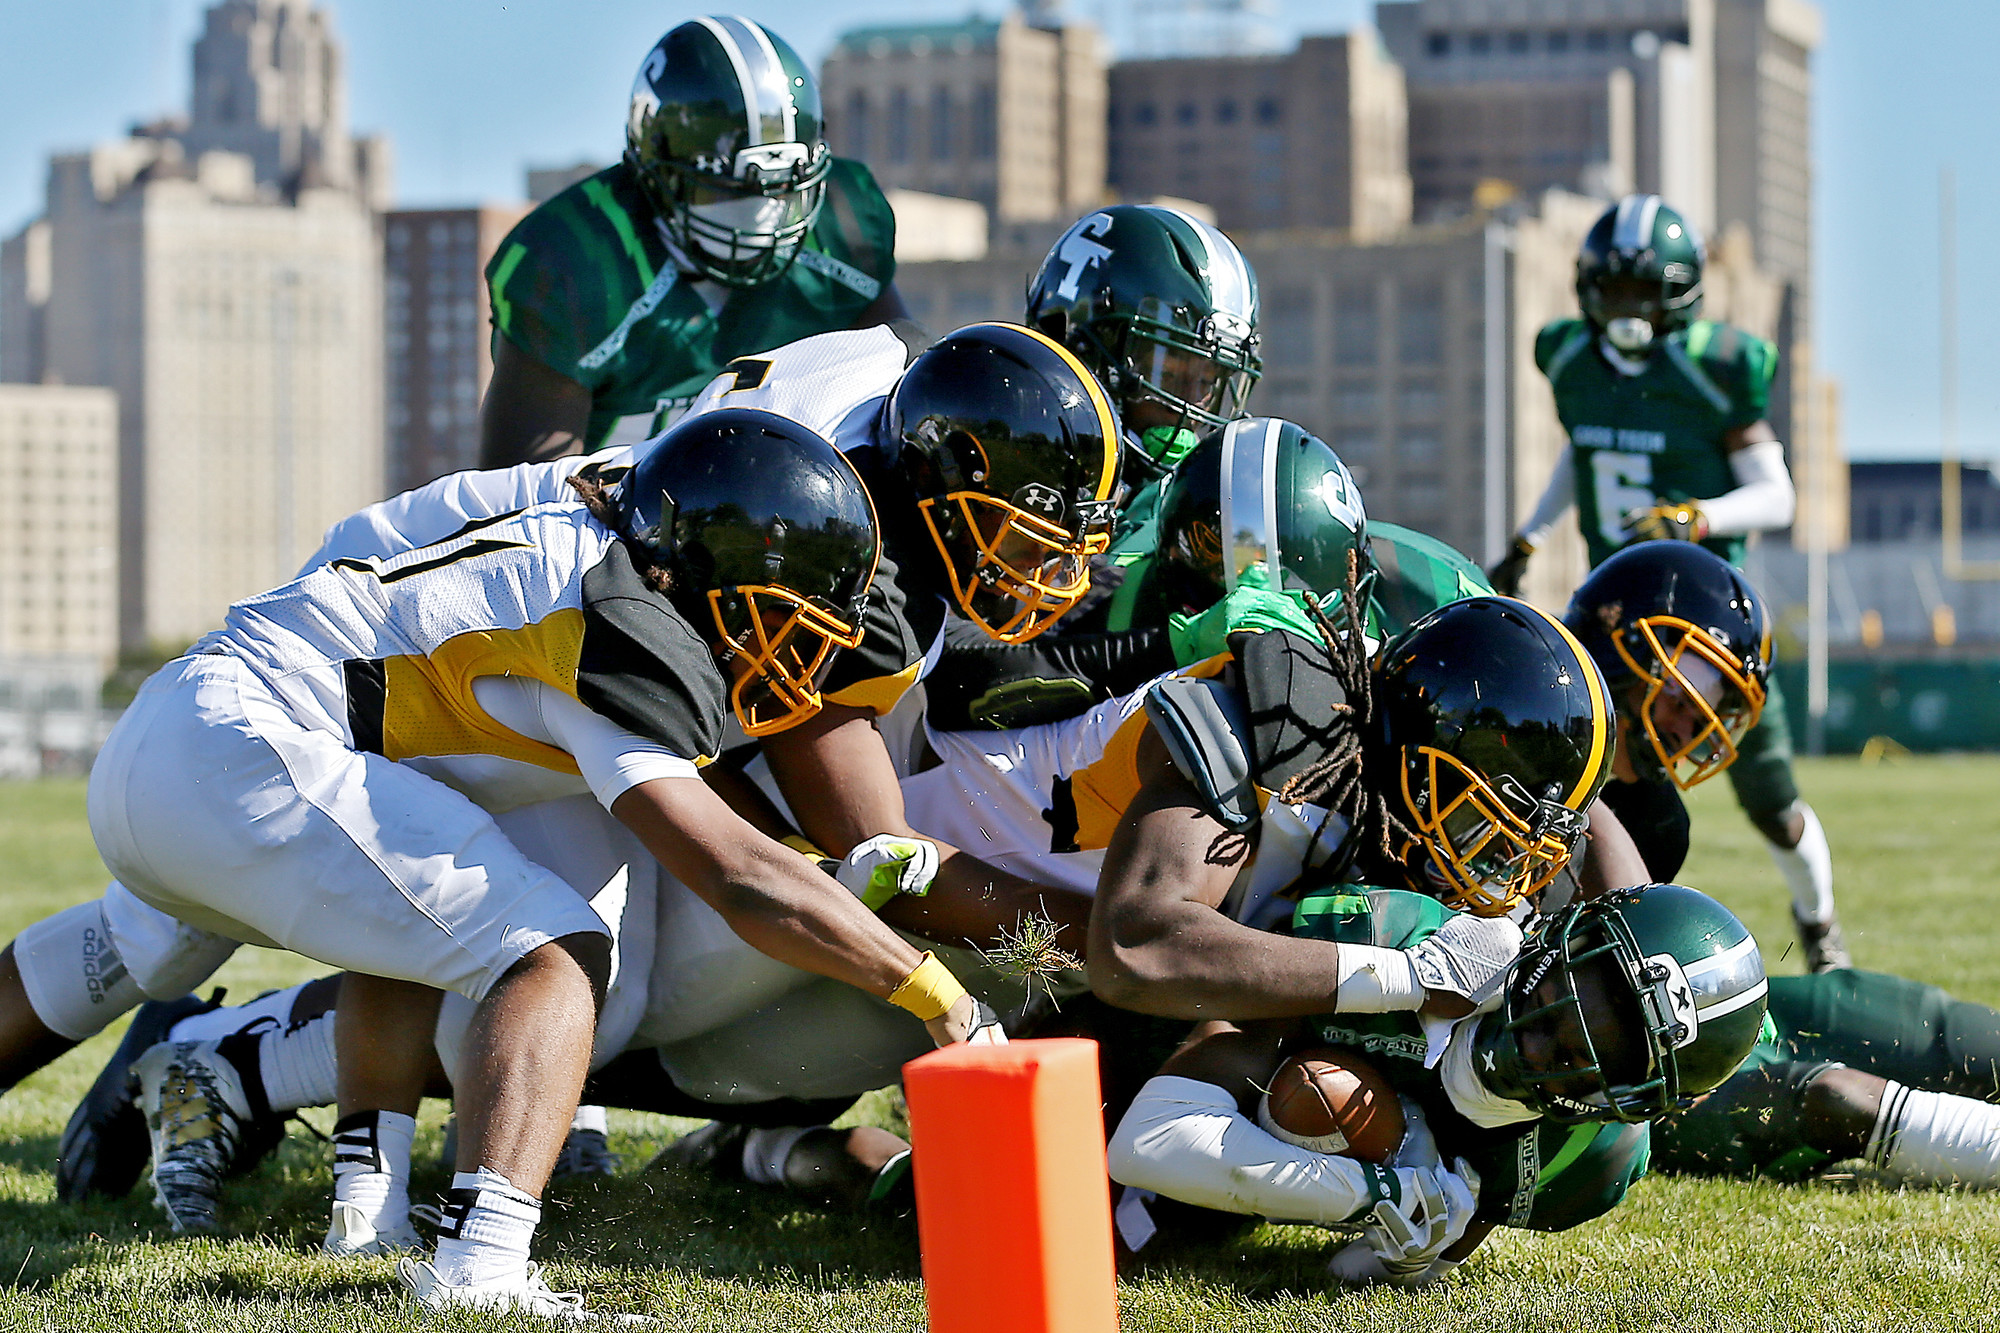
1639 272
724 133
1625 1006
1685 644
1012 452
1163 309
771 541
1497 727
1264 503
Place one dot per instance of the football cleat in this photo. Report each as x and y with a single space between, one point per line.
585 1153
715 1148
1825 945
196 1111
523 1293
104 1146
351 1235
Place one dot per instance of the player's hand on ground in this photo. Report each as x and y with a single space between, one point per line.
1506 575
1681 520
970 1020
886 865
1468 957
1405 1238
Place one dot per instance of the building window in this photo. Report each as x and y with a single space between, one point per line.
1597 39
985 124
1287 328
1438 44
1225 111
1186 113
1480 43
1145 114
1269 111
944 134
899 126
1517 43
857 125
1558 42
1355 328
1420 326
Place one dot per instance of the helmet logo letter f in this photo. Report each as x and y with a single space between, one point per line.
1080 252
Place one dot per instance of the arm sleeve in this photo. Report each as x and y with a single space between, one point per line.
1763 498
1557 497
1185 1139
611 759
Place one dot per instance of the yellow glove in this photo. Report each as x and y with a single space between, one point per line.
1680 520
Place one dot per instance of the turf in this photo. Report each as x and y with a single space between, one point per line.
1915 844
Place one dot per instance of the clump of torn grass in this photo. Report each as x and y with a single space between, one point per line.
1030 954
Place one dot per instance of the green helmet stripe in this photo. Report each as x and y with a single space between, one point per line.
745 84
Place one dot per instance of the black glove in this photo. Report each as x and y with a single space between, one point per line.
1506 576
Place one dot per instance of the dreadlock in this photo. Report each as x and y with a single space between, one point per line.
1334 781
596 497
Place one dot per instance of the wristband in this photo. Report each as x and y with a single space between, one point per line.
1375 981
929 991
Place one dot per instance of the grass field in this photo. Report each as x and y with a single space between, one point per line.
1915 844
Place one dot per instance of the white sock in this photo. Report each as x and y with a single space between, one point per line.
588 1117
371 1164
765 1151
1808 870
1936 1138
487 1227
300 1067
233 1018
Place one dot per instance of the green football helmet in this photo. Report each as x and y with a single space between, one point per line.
1163 309
1625 1007
1261 502
724 133
1638 274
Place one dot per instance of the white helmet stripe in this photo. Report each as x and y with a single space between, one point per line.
733 48
1728 959
1249 497
1737 1001
1229 280
1634 228
774 70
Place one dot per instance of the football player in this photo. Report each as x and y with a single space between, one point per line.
258 787
998 527
728 229
1665 413
1620 1009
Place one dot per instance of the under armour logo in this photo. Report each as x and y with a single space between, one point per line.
1040 499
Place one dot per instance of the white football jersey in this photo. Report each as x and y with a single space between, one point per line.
1043 802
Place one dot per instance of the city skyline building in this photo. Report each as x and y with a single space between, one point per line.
223 275
1002 112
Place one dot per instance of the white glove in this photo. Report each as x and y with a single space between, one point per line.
886 865
1357 1264
1468 956
1409 1236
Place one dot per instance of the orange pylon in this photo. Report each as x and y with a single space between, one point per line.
1013 1204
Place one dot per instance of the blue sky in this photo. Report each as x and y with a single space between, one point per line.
471 91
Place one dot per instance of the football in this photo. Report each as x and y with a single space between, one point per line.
1330 1099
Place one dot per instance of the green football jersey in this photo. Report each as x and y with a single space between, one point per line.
584 285
1418 574
1535 1175
1655 437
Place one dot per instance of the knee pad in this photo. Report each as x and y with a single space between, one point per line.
77 981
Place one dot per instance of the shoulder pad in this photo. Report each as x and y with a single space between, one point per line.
1297 706
1206 736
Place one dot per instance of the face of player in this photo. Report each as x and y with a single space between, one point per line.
1605 1018
1677 718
